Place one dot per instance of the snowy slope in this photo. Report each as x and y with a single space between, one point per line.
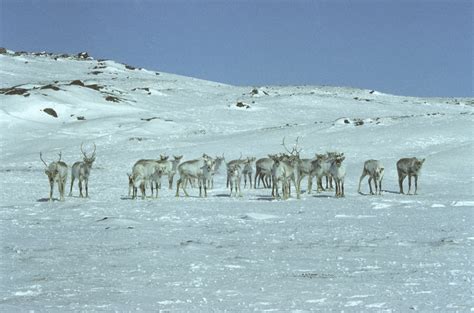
389 253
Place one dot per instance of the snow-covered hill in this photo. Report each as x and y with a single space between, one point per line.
360 253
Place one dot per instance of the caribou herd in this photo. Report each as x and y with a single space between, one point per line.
277 171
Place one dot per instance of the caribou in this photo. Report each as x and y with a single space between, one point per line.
146 172
130 184
283 170
410 167
230 164
338 172
215 169
263 172
320 167
169 168
200 169
234 175
375 170
56 172
81 170
331 156
303 168
139 180
247 171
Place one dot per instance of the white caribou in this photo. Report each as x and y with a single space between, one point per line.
57 173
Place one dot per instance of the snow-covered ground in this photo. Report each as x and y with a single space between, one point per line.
361 253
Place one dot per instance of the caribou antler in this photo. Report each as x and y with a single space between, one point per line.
84 153
82 150
294 150
41 157
93 152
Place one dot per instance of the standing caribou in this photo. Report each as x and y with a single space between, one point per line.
320 167
56 172
303 169
338 172
409 167
230 164
146 172
284 170
200 169
375 170
81 170
171 167
234 175
215 169
263 172
247 171
131 188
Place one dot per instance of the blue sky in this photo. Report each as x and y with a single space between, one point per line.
405 47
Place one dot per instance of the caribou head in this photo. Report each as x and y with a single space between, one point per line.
50 170
88 159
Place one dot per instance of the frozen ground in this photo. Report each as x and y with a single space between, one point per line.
389 253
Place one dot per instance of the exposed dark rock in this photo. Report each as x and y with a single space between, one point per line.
3 50
361 99
146 89
77 82
56 88
240 104
99 66
83 55
149 119
95 72
42 53
51 112
13 91
81 118
94 86
112 99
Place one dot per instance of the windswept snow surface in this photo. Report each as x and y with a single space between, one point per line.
389 253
